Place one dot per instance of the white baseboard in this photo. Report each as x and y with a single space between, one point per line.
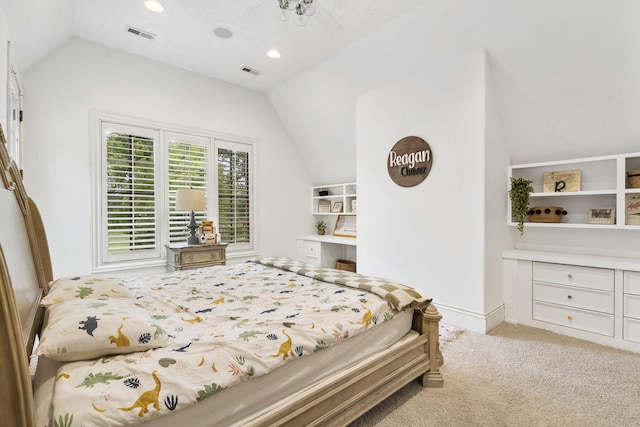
465 319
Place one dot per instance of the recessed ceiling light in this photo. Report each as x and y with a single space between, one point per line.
154 5
273 53
222 32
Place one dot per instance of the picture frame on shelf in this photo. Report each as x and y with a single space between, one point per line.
324 206
602 216
337 207
632 206
345 226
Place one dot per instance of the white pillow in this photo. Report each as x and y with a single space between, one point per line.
90 328
83 287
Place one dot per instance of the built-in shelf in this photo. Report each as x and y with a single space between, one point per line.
603 185
328 204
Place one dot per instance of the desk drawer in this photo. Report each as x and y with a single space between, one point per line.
632 282
590 321
632 306
589 299
198 257
588 277
631 329
311 249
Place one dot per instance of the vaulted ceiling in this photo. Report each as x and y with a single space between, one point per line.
184 33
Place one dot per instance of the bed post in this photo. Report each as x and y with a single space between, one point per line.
16 398
429 324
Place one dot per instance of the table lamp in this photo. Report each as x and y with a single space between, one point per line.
190 199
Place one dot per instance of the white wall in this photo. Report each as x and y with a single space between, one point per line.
562 82
430 236
81 75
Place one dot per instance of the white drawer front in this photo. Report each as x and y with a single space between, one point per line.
631 329
632 306
632 282
588 277
590 321
311 249
589 299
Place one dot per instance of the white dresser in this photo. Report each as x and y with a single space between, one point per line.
590 297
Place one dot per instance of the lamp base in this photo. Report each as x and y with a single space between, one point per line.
193 226
193 240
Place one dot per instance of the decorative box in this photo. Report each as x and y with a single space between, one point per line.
546 214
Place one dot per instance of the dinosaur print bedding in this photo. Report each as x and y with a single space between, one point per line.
225 325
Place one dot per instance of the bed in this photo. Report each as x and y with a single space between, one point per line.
302 366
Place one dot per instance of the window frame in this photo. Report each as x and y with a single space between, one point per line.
103 263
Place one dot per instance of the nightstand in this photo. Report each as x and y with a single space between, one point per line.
181 256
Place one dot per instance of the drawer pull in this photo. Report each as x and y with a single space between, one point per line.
570 276
569 318
569 297
190 257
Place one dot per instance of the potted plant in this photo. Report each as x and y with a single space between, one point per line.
321 226
519 195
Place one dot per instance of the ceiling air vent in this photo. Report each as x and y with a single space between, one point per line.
251 70
141 33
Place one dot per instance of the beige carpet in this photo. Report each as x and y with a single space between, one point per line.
520 376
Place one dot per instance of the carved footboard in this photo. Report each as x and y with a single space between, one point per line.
427 322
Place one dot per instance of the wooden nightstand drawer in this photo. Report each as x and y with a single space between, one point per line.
197 257
184 257
589 299
590 321
588 277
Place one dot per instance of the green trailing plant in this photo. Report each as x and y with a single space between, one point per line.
519 195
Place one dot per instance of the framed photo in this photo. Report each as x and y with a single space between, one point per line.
602 216
345 226
324 206
337 207
632 207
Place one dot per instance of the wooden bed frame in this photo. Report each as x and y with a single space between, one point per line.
337 400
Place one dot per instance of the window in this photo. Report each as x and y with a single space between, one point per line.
141 168
234 194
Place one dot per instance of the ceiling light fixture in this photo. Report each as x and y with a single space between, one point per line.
273 53
154 5
301 8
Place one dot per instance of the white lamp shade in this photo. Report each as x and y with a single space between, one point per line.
190 199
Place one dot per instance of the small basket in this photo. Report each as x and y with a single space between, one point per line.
546 214
345 264
634 178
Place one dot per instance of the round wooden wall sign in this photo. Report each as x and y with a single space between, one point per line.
409 161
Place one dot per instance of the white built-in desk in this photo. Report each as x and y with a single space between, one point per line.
324 251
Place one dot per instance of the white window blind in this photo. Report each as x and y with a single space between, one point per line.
234 194
130 199
187 168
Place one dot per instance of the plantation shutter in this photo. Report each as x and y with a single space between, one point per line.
130 193
234 193
187 168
